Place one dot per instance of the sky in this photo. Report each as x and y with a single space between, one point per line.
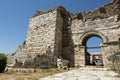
15 15
94 42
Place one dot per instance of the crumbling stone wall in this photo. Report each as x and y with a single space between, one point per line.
102 22
65 34
41 33
67 42
106 11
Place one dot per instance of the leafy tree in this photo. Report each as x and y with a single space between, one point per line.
3 62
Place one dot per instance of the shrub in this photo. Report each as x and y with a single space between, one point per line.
3 62
115 59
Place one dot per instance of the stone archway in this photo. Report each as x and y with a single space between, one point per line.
85 37
82 49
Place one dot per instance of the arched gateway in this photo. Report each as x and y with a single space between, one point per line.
82 58
58 33
87 57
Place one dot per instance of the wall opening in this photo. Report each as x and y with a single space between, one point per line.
93 52
93 44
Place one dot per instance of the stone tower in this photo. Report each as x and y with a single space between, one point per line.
58 33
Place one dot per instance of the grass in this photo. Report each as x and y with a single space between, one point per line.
118 73
118 76
40 73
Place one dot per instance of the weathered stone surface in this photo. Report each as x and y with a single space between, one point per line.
108 10
84 74
60 33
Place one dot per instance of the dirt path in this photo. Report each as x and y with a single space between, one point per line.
76 74
84 74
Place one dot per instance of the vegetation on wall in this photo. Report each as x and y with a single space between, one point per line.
115 59
3 62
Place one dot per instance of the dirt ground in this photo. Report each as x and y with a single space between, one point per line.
11 75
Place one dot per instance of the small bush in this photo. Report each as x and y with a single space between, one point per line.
115 59
3 62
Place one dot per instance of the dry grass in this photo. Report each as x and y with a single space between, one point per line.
40 73
118 75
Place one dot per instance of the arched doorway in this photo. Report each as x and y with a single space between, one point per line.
93 53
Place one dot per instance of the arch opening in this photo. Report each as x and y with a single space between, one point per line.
93 52
93 42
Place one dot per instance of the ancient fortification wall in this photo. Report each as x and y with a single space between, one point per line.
102 22
41 33
63 34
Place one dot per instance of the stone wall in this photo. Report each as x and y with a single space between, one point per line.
79 53
20 53
107 50
106 11
102 22
67 42
63 34
41 33
109 27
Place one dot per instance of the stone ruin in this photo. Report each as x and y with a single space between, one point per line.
58 33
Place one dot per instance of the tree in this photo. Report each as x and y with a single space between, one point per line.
3 62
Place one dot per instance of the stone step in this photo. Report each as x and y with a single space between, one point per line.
94 66
98 68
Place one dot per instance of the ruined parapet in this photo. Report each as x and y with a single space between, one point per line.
37 13
108 10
